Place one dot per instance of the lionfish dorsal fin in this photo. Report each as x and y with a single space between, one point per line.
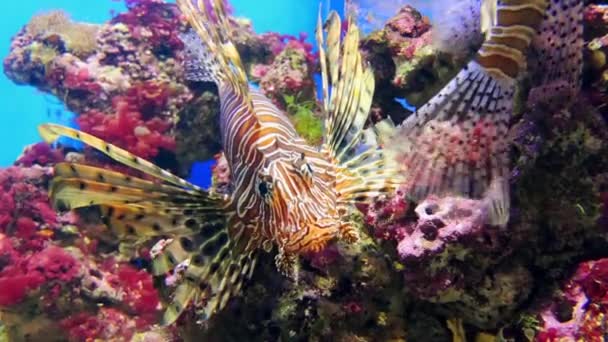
348 88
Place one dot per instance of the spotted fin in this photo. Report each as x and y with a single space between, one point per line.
557 55
211 55
199 66
51 132
200 261
457 143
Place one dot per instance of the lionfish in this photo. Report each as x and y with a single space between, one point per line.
297 197
285 193
458 142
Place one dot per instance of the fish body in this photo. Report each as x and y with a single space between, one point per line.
285 193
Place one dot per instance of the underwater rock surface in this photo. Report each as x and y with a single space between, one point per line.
418 265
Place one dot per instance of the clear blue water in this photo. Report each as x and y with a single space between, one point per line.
25 107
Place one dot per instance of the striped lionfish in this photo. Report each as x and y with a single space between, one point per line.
457 143
297 197
285 193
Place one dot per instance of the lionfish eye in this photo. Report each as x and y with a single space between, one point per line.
263 188
265 185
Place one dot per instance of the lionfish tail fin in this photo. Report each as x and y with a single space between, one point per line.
348 88
456 144
210 53
195 251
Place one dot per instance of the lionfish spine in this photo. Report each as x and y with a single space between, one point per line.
503 54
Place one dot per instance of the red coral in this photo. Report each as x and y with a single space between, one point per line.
587 291
107 324
153 21
136 124
324 258
26 272
39 154
140 295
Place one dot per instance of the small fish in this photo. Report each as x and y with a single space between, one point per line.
286 194
457 143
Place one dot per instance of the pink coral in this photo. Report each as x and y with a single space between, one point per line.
39 154
153 21
136 125
108 324
24 206
277 43
442 221
580 310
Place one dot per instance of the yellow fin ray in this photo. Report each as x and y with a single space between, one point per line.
51 132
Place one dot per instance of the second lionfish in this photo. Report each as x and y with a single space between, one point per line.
285 193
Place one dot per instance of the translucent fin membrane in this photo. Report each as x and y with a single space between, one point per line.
348 88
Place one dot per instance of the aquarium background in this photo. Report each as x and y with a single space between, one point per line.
25 107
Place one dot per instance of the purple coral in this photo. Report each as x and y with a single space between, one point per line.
442 221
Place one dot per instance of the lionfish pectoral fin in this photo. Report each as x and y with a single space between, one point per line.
348 233
208 274
348 88
287 264
498 201
199 252
457 143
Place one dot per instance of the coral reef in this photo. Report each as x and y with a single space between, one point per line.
290 73
416 266
578 311
50 271
405 64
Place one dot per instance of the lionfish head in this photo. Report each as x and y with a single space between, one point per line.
301 197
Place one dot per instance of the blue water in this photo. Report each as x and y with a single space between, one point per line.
25 107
